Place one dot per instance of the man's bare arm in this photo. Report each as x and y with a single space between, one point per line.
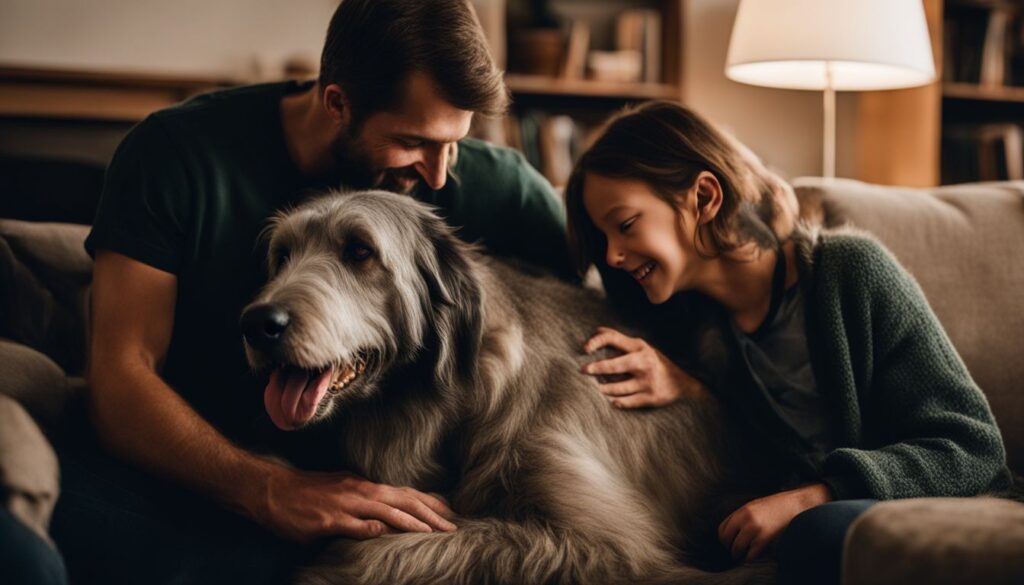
141 419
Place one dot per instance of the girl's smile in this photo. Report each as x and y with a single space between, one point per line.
641 274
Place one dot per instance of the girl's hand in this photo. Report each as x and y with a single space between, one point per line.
654 381
750 530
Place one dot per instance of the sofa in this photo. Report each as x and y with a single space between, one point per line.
964 244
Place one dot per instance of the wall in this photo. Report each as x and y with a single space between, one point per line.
238 38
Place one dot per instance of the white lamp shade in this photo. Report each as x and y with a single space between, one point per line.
870 44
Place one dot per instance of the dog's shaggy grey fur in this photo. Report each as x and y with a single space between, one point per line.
473 389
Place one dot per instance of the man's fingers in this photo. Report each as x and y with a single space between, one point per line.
418 509
622 364
352 527
756 548
623 388
434 503
728 529
393 517
742 543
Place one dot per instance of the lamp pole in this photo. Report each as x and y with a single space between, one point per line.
828 149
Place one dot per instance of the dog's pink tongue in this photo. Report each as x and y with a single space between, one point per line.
292 396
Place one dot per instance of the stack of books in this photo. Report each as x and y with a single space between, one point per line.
636 57
982 152
551 143
984 42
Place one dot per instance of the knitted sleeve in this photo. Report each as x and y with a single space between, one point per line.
926 425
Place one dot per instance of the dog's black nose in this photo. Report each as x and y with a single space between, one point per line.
263 325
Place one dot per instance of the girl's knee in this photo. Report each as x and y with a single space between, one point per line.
819 530
25 557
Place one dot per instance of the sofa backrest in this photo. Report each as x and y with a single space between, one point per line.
965 246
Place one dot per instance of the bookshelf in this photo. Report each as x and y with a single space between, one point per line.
972 91
520 84
571 63
27 93
965 127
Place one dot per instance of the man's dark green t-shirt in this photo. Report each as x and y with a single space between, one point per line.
191 187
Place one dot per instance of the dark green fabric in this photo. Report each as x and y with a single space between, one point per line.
191 187
911 421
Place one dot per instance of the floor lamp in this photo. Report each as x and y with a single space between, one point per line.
829 46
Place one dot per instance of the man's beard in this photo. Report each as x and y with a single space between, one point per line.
356 171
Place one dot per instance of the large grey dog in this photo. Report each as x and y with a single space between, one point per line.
432 366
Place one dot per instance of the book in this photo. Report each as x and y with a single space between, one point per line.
982 152
555 135
968 26
1000 152
652 47
994 48
640 30
575 65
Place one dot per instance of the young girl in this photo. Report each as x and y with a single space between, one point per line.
829 353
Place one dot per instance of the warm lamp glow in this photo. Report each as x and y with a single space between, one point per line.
831 45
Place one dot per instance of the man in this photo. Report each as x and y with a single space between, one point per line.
177 257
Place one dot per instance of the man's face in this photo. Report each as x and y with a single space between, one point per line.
396 149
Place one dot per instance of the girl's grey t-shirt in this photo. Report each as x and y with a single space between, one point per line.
779 361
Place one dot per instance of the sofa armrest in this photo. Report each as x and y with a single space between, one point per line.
29 474
937 541
37 383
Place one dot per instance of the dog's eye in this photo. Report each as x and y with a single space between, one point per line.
282 255
358 251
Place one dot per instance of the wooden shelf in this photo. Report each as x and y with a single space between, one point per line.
541 85
970 91
90 95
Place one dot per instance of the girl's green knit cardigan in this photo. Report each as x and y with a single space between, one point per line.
907 419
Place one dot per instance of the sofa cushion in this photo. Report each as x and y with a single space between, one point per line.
965 246
44 280
28 468
36 382
939 541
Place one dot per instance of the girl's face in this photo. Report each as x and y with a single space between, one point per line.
646 236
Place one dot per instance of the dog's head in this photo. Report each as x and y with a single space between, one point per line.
360 283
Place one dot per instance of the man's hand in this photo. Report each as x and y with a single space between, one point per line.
303 506
654 381
750 530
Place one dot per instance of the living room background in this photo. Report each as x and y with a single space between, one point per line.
250 40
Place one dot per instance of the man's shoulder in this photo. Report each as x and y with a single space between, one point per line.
224 124
220 101
227 112
480 159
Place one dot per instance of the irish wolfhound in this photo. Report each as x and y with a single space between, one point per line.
434 367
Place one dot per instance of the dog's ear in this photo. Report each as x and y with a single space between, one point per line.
455 297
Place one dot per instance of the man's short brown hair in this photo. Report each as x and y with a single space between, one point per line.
373 46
